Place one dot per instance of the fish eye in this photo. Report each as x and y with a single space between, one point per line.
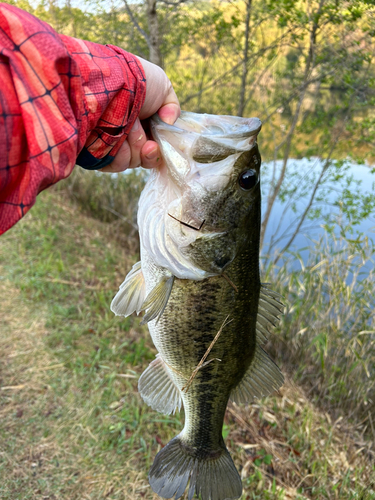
248 179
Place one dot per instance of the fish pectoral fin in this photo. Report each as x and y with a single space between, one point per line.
156 301
157 388
269 310
211 477
131 294
261 379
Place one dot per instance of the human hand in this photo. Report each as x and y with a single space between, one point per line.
161 98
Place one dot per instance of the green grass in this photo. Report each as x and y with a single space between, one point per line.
73 425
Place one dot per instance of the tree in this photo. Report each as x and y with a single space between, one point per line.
304 67
324 82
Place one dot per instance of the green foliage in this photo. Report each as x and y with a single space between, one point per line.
309 67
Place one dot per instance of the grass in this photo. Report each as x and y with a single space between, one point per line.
73 426
109 198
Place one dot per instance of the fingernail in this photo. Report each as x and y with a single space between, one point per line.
136 125
152 154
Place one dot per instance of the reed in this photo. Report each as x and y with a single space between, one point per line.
326 338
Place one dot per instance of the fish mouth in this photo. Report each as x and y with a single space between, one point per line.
194 224
189 149
250 127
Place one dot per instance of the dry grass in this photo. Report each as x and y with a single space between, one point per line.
326 337
290 446
44 409
280 443
24 391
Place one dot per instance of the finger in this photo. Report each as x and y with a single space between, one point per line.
129 155
150 155
136 139
159 93
170 112
121 161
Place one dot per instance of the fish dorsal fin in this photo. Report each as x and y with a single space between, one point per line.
263 376
269 310
131 294
157 388
156 301
261 379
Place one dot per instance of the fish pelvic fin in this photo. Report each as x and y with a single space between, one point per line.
261 379
157 388
212 478
157 300
131 294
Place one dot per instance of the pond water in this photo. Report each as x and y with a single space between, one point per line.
286 213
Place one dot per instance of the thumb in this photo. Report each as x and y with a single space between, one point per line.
160 96
170 111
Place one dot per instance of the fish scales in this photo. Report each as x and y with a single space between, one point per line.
199 275
192 327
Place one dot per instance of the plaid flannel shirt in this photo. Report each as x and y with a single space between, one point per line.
56 94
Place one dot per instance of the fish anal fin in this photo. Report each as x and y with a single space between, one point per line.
210 478
156 301
131 294
157 388
261 379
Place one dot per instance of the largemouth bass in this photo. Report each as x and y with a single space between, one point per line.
206 309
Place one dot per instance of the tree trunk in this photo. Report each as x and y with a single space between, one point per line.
242 102
154 39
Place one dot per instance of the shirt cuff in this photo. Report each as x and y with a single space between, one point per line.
88 161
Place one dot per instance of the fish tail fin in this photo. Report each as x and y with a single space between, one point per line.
212 478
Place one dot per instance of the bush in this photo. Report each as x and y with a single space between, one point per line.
111 198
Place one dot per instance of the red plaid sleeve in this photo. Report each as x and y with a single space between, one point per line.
56 92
